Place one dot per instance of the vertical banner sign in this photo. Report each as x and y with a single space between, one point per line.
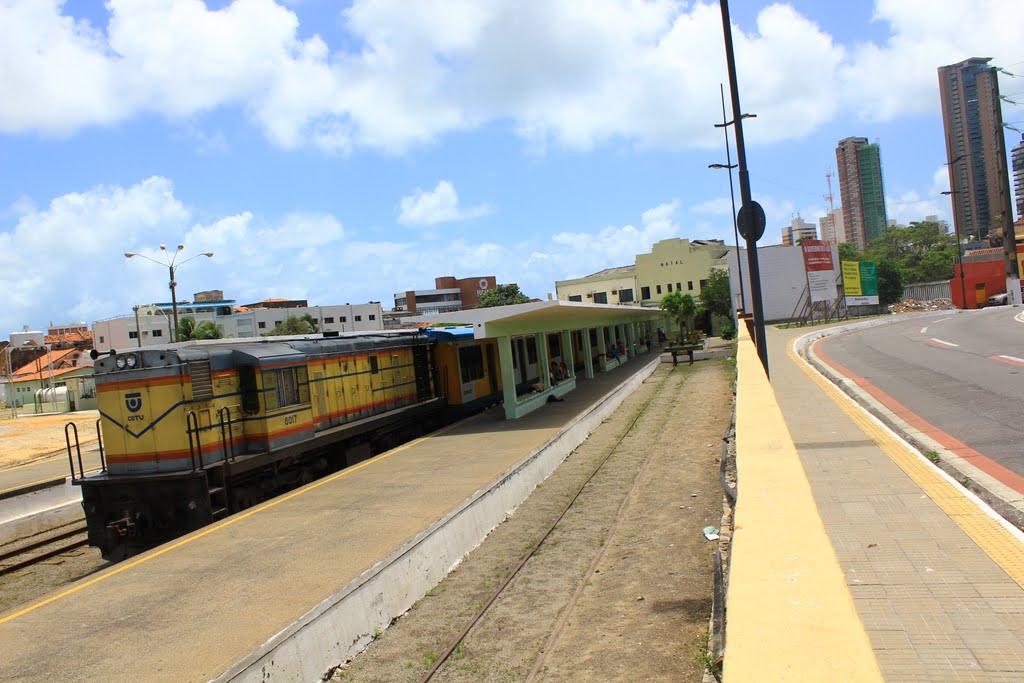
860 282
821 270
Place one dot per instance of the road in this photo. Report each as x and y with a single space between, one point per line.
963 373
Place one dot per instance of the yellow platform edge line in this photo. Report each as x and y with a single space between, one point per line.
991 536
790 614
217 526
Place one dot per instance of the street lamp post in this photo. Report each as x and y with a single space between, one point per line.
171 267
10 375
724 125
753 214
956 222
959 252
735 229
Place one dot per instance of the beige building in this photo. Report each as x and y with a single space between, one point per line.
675 265
798 230
832 227
609 286
672 265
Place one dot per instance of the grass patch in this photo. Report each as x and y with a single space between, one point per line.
933 456
428 659
705 658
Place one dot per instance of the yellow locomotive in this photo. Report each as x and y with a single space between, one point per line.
193 432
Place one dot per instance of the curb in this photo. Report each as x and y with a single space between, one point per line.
1006 502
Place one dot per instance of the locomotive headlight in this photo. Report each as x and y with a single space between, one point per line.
120 362
131 360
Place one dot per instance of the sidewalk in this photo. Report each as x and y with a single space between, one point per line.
936 581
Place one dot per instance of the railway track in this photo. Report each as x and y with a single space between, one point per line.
539 544
31 552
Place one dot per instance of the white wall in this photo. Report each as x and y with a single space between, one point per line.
783 279
119 333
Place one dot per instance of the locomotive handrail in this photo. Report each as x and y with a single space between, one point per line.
78 448
191 421
227 437
99 440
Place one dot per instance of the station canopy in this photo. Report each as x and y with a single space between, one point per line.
541 316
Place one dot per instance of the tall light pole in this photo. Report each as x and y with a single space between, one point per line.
10 374
171 267
959 252
752 219
956 226
724 125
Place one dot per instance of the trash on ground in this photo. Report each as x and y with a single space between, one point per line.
711 533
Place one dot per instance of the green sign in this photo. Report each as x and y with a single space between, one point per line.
860 282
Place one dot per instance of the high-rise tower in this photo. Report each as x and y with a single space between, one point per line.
1017 157
973 120
861 190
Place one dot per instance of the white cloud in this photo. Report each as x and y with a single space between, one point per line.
719 206
900 77
563 71
440 205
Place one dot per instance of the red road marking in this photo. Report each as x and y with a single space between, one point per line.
990 467
1009 359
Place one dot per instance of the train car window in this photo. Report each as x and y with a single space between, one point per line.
374 368
471 363
302 379
285 387
270 378
247 386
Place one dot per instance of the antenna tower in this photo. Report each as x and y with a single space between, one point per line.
831 204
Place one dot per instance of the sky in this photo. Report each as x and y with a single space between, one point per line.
343 152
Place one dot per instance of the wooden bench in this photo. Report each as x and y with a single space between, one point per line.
688 349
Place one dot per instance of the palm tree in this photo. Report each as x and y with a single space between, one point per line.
188 330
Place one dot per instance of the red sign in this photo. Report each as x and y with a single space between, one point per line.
817 255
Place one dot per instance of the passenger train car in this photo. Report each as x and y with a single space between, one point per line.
193 432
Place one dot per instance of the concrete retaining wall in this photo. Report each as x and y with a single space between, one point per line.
343 624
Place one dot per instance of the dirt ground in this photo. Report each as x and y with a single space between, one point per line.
621 591
31 437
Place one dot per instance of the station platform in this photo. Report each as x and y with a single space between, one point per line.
853 557
247 598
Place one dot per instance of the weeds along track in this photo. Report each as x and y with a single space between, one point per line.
629 448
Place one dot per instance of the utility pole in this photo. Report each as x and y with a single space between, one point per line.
751 217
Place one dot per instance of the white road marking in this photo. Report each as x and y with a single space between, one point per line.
923 330
1009 359
944 343
941 319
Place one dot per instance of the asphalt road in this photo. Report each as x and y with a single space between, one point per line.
963 373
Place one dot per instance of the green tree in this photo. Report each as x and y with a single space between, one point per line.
188 330
682 308
207 330
848 252
716 295
293 325
922 251
503 295
890 282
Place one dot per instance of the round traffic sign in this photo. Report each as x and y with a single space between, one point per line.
751 221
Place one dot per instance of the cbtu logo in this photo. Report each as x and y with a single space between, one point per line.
133 402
